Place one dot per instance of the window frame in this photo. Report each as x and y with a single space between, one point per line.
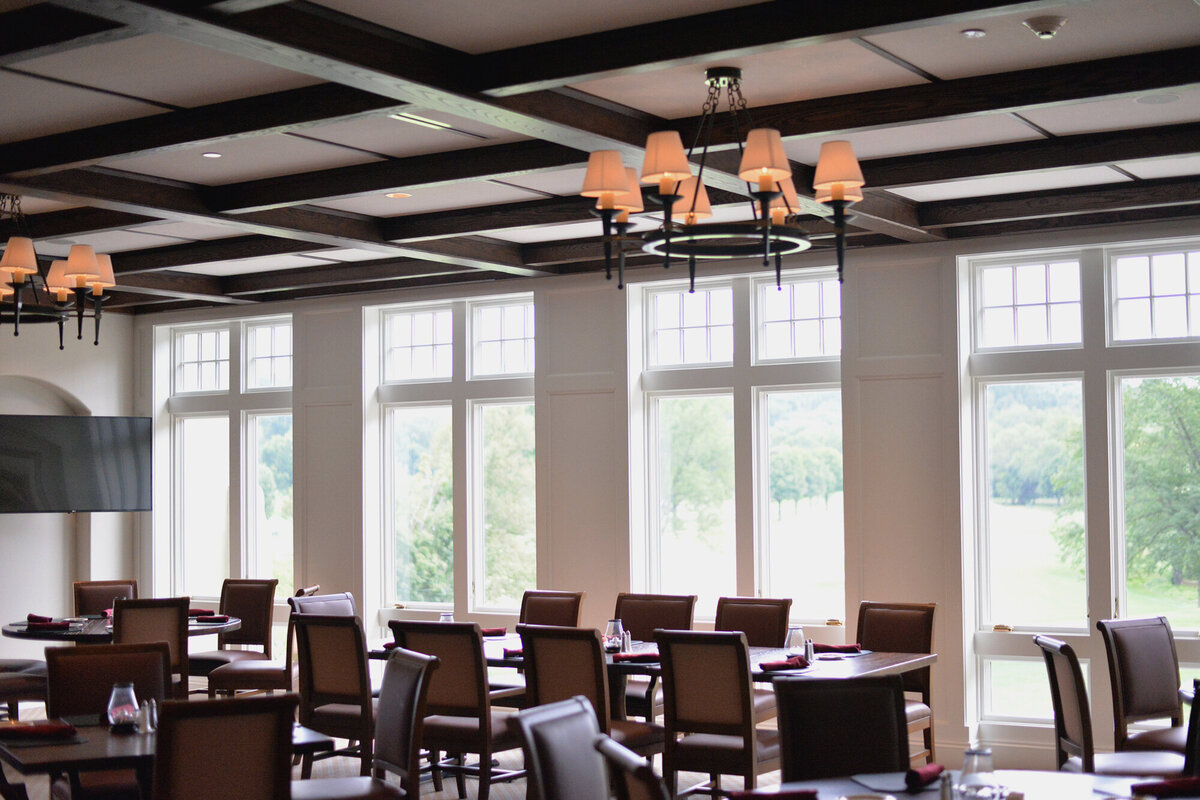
248 337
649 321
1148 249
766 282
476 306
1047 257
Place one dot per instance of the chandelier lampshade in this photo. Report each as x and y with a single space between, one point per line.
838 175
57 281
605 177
786 204
82 264
666 162
764 161
695 205
19 258
106 279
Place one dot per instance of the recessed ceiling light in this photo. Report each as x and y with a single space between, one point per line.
1046 27
424 122
211 154
1157 99
974 33
397 195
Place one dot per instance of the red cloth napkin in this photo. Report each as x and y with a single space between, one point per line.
917 778
200 612
1175 787
836 648
514 652
47 626
647 657
390 645
108 613
795 662
38 618
494 631
782 794
42 729
213 618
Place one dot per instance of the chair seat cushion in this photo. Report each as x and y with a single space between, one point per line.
764 704
344 789
1144 764
916 711
21 686
205 662
1173 739
641 737
446 732
702 752
637 690
253 675
24 666
333 717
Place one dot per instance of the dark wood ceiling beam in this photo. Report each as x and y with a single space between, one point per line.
401 174
75 222
1080 150
179 286
1063 202
360 272
375 287
881 212
280 112
172 256
44 30
457 222
727 34
1075 221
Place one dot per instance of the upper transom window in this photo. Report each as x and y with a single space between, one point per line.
691 327
800 319
418 345
202 361
1156 296
1029 305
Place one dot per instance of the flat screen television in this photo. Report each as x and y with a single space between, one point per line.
66 464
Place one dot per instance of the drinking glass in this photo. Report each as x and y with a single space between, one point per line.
446 616
614 635
978 779
122 705
795 638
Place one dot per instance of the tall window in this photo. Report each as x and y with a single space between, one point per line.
1103 423
742 443
458 377
229 516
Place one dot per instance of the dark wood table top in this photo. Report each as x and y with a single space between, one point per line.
1036 784
98 631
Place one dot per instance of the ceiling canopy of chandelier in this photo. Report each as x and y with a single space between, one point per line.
74 283
772 232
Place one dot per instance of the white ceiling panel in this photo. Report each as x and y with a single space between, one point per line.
1012 184
738 212
780 76
248 266
349 254
38 205
923 138
165 70
434 198
107 242
562 182
193 231
1159 108
476 27
34 107
246 159
1150 168
1098 29
393 137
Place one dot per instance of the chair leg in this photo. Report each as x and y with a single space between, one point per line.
460 777
367 756
435 771
14 711
929 742
306 767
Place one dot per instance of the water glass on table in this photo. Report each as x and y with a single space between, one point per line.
614 636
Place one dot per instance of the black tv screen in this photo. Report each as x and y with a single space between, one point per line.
65 464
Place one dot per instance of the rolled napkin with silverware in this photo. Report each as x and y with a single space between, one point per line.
37 618
921 777
644 657
818 647
213 618
1172 787
794 662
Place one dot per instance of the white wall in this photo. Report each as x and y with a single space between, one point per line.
901 387
43 553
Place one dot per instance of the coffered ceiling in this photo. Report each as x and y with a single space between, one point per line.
483 115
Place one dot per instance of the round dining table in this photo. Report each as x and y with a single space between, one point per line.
98 630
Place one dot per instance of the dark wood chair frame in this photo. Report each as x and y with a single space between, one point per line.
918 681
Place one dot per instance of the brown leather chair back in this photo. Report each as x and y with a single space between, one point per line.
558 763
332 653
1072 717
460 686
1144 670
340 604
253 602
80 679
401 715
246 745
544 607
899 628
94 597
159 619
764 620
562 663
642 614
307 591
633 776
841 726
693 663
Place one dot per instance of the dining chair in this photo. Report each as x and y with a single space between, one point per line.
548 607
641 615
160 619
335 690
1143 668
633 777
79 682
764 620
841 726
399 728
459 715
340 604
1074 749
709 707
253 602
237 747
905 628
21 680
563 663
558 763
96 597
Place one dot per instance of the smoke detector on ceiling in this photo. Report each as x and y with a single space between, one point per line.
1045 27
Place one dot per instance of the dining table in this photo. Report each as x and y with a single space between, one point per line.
96 747
98 630
1034 784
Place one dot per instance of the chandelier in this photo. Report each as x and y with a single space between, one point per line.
772 231
75 283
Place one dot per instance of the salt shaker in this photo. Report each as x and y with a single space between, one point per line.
143 717
810 651
946 788
626 641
